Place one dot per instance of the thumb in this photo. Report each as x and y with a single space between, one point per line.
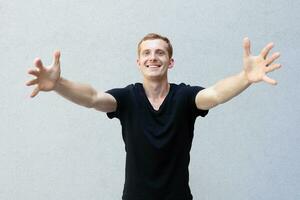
56 56
246 45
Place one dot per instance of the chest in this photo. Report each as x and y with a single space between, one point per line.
156 103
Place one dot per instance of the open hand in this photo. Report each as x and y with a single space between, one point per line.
46 77
256 67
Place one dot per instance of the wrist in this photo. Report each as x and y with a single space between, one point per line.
58 83
245 78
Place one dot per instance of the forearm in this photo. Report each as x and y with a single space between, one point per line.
78 93
230 87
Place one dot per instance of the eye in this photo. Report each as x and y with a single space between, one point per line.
146 53
161 53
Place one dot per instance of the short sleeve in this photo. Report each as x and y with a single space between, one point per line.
192 93
121 95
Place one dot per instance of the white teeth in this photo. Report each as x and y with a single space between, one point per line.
153 66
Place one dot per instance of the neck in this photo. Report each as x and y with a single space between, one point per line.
156 89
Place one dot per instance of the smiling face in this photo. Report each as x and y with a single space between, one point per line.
154 60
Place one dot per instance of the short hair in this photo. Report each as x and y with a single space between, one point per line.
153 36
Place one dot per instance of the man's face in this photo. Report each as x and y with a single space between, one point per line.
154 60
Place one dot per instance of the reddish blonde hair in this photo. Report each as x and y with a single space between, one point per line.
153 36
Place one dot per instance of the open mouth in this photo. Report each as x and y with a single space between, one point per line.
153 66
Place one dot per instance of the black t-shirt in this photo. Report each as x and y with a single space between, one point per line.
157 142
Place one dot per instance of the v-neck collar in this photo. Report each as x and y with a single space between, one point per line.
149 105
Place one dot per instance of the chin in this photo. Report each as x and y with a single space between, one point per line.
154 76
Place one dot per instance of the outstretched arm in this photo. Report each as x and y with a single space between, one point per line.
255 70
49 79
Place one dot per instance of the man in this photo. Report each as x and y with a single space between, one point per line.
157 117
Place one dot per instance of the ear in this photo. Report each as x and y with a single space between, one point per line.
172 62
138 62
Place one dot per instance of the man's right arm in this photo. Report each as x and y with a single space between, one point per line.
49 79
85 95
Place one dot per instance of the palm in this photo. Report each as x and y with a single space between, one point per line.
256 67
46 77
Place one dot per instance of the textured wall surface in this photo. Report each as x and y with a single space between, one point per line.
246 149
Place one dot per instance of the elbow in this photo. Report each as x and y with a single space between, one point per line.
213 102
91 101
207 106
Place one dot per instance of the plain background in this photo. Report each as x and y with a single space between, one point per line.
50 149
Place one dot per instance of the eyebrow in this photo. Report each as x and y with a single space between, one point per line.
155 50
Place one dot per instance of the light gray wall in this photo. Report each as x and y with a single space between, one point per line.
51 149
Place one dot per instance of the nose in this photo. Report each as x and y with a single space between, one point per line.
152 56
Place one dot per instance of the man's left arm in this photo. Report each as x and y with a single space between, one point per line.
255 70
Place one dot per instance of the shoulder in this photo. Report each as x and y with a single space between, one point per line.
183 87
119 92
120 89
